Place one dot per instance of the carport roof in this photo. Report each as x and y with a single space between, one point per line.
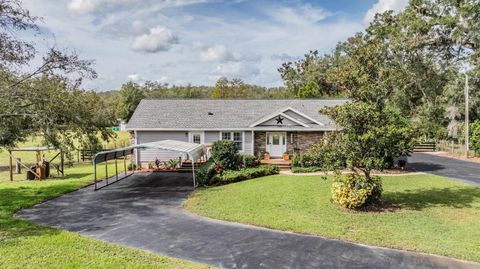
195 151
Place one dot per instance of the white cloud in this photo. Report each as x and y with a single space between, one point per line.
284 57
382 6
299 15
228 43
243 70
87 6
83 7
219 53
157 39
138 27
134 77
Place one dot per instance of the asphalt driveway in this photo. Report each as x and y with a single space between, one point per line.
145 211
468 172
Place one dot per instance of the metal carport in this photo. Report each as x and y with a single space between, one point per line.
192 150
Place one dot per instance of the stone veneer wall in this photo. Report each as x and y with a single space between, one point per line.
296 141
260 143
302 140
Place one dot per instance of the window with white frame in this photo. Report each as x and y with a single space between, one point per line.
236 137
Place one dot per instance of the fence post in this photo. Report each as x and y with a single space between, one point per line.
18 168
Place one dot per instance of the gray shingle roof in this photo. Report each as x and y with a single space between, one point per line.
206 114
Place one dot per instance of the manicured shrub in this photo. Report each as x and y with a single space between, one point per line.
225 154
354 191
249 160
230 176
205 173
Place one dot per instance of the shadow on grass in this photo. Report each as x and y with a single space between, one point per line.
14 199
458 197
14 228
76 175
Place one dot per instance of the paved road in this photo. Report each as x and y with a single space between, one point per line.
468 172
145 211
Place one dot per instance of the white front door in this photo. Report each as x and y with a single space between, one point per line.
276 144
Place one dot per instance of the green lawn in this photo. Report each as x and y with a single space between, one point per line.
437 215
27 245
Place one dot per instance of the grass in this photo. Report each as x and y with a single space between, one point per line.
437 215
27 245
122 139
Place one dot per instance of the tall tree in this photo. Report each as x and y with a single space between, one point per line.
44 100
130 96
234 88
308 77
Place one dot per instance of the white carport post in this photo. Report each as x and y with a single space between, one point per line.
193 170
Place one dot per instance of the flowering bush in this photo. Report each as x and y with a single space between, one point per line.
355 191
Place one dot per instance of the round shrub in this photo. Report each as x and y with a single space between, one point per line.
354 191
225 154
249 160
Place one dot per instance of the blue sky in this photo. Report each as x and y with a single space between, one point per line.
197 41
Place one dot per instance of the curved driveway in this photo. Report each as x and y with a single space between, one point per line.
468 172
145 211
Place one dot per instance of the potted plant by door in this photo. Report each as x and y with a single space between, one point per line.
266 156
286 156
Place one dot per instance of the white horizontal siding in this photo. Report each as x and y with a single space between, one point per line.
211 136
149 155
247 145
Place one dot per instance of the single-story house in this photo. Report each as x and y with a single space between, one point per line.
257 126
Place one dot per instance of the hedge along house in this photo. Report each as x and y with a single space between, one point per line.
256 126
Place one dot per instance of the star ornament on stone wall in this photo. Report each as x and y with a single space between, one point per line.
279 119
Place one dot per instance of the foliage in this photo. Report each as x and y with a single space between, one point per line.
44 99
371 136
308 77
131 166
130 97
172 163
231 176
205 173
412 60
354 191
475 136
225 154
295 160
324 153
224 88
249 160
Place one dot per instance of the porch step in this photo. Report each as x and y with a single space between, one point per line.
280 163
187 166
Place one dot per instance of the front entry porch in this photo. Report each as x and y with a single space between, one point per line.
281 163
